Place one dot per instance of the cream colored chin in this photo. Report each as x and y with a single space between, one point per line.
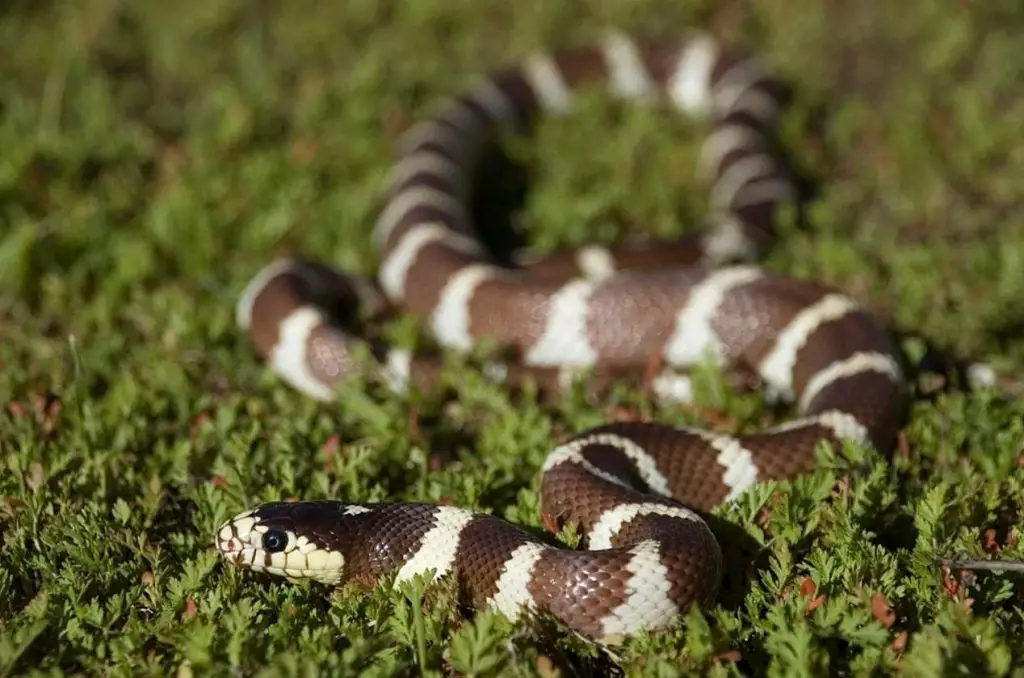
326 567
296 576
328 577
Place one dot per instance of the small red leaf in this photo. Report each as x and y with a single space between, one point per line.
882 611
191 609
815 604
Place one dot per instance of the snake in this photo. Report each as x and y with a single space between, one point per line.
638 311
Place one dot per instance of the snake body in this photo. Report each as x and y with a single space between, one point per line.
633 489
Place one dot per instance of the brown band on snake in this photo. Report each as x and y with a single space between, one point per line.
624 485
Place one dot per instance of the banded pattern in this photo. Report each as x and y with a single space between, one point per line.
631 488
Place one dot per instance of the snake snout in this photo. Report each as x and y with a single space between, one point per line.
227 542
235 537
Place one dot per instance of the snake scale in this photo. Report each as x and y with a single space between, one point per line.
633 489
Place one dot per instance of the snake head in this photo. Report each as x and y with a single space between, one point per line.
272 538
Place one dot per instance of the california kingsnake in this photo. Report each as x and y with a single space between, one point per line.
623 484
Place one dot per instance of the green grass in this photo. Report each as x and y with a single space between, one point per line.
154 158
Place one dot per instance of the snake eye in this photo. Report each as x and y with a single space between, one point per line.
274 541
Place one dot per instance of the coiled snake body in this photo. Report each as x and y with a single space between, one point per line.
611 311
